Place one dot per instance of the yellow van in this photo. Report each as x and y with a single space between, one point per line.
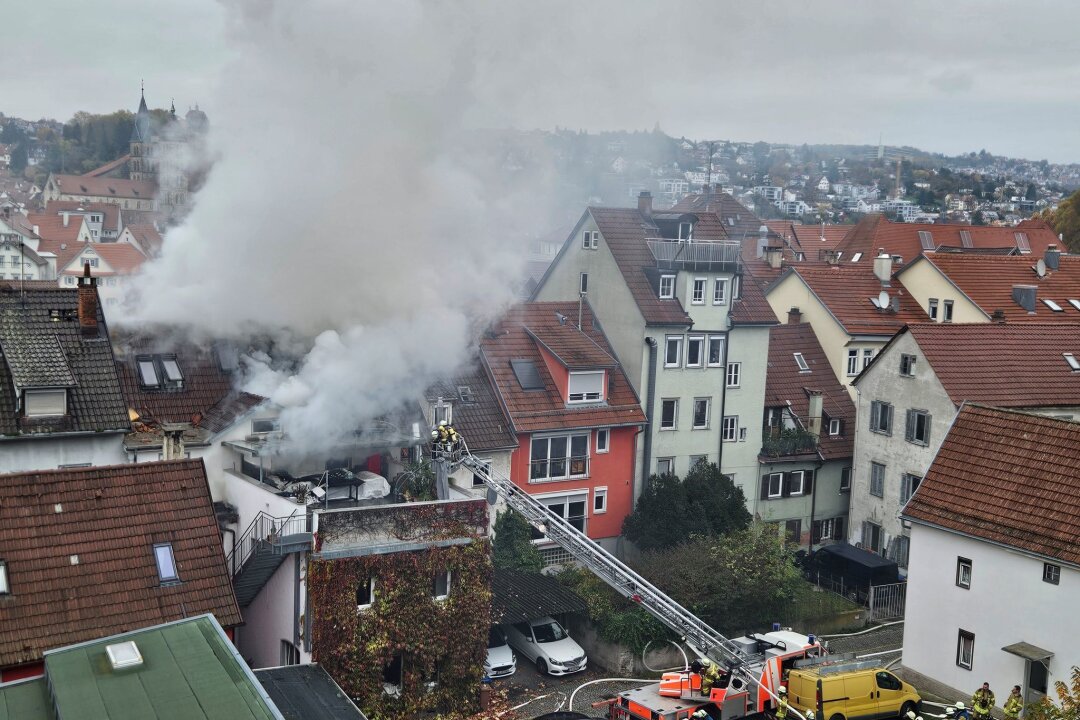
836 693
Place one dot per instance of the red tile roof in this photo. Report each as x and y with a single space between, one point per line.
536 410
481 420
786 383
988 281
79 548
1009 478
110 211
846 292
105 187
52 228
108 167
738 221
148 236
809 238
123 258
1003 364
752 308
573 348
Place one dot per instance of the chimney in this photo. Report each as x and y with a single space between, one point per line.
36 232
794 316
813 416
883 267
1025 296
763 240
644 204
67 217
88 303
172 442
998 316
775 257
1052 258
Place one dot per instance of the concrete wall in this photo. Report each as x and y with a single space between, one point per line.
462 480
619 659
49 453
1008 603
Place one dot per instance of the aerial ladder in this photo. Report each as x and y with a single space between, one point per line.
750 685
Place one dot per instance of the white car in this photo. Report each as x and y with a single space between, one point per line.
545 642
501 660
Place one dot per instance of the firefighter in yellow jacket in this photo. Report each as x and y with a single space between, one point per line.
982 702
781 704
1013 704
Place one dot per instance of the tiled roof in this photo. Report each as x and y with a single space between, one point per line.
35 359
737 220
846 291
809 238
481 422
625 231
95 402
785 383
123 258
989 279
105 187
533 410
899 238
52 228
108 167
79 548
148 236
573 348
1007 477
1003 364
110 211
752 308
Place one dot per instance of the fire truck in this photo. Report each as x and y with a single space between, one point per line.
751 668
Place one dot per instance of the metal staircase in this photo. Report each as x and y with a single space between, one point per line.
261 550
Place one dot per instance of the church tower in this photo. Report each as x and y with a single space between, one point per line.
141 164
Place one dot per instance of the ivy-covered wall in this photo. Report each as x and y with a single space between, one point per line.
444 636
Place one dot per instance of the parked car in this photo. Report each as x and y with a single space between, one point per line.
862 693
501 660
545 642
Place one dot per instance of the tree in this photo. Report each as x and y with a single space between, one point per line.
19 158
977 218
512 548
11 134
1068 707
707 503
1066 220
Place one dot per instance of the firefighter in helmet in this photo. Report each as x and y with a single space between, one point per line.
781 703
710 677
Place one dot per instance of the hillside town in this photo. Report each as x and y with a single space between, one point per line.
705 429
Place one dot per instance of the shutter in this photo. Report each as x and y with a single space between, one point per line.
838 529
928 419
815 532
785 485
875 414
765 487
44 402
888 418
808 482
909 426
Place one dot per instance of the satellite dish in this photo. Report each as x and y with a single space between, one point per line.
883 299
1040 268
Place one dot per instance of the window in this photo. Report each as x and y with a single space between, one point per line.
736 287
147 372
907 365
478 480
830 529
391 676
881 414
801 362
440 585
667 286
1051 574
290 654
5 586
669 413
931 309
590 239
796 483
918 427
172 370
872 537
1022 243
159 372
673 351
1074 362
926 240
908 485
585 387
695 459
946 311
694 348
599 500
836 427
965 649
665 466
716 351
845 479
569 507
701 413
697 294
719 291
730 431
867 356
559 457
166 563
602 439
69 280
853 362
365 592
856 257
583 283
686 230
44 403
898 550
91 261
774 485
443 413
1052 305
963 573
734 374
886 680
877 479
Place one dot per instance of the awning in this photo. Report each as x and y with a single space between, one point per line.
1028 651
522 596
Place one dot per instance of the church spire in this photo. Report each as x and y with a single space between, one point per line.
142 98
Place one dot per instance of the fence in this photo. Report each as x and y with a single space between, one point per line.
886 602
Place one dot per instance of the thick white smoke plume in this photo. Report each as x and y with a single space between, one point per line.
350 211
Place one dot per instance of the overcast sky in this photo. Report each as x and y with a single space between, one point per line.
950 77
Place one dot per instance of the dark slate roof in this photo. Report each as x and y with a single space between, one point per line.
78 544
518 596
39 349
307 692
481 422
1007 477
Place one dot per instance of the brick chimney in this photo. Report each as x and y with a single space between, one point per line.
644 204
88 303
794 316
813 415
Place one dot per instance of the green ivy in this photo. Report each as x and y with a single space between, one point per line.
615 618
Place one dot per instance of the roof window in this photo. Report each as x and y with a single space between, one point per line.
1052 305
801 362
926 240
965 239
1075 303
5 588
856 257
527 375
159 372
124 655
1022 243
166 563
1074 364
465 393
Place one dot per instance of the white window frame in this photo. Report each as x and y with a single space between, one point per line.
698 340
845 479
708 413
947 311
586 397
720 291
867 357
802 483
164 559
733 376
907 361
835 426
670 340
669 461
589 239
964 572
568 459
1051 574
779 492
675 414
583 283
729 430
599 494
371 595
564 499
435 587
719 339
965 649
800 361
852 362
696 297
932 309
689 234
668 292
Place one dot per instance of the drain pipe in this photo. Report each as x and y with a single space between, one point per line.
650 401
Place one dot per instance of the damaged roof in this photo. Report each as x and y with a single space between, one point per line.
478 416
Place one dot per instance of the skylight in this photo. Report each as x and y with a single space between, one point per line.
1075 303
124 655
172 370
801 362
1052 305
1074 364
5 588
465 393
965 239
166 563
148 373
856 257
527 375
1022 243
926 240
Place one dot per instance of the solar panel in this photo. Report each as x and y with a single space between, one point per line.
965 239
527 375
926 240
1022 243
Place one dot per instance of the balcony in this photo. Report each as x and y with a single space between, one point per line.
701 256
776 443
555 469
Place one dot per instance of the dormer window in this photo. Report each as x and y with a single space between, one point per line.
667 286
686 230
444 412
586 387
44 403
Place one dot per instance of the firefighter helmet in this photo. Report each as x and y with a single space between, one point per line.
960 705
810 715
782 690
950 711
911 715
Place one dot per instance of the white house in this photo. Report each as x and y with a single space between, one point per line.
995 557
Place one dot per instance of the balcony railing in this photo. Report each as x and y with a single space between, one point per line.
575 466
675 254
782 443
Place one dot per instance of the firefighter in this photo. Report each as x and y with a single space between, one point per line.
982 702
960 711
1013 704
700 714
710 677
911 715
781 704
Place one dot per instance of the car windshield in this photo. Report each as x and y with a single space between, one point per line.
548 632
496 637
